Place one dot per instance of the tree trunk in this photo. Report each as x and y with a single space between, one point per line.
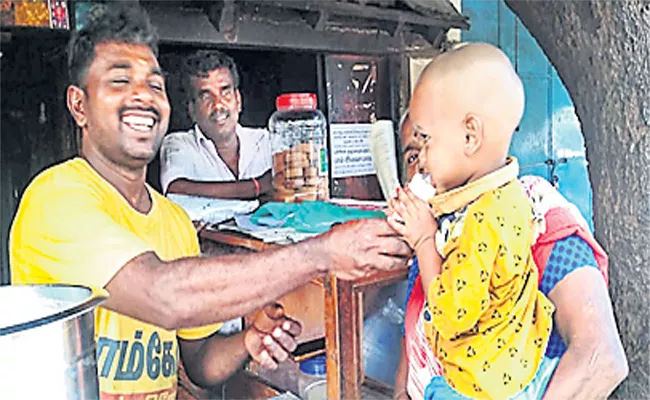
602 53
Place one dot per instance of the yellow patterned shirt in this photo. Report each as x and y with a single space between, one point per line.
485 319
73 227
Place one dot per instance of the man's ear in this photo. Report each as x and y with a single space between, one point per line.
76 101
238 98
473 127
190 110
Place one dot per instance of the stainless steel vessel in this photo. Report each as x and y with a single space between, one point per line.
47 343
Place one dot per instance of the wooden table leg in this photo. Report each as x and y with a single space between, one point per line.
342 339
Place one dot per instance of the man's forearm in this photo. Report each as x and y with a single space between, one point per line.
215 360
585 375
199 291
221 190
244 189
594 363
220 288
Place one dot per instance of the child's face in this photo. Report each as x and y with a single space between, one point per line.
442 154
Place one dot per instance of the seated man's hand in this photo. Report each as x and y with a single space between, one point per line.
360 248
266 183
272 336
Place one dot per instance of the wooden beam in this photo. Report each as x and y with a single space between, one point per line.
433 8
399 28
322 20
228 19
368 12
435 37
223 15
316 19
192 26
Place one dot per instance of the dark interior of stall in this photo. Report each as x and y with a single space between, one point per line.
35 129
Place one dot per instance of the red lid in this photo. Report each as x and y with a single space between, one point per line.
296 101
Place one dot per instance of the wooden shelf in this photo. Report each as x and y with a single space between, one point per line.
341 313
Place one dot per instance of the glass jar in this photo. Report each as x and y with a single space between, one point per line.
299 145
312 381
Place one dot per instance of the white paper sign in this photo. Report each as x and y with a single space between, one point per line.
350 147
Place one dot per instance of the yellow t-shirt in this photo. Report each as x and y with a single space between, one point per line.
487 322
73 227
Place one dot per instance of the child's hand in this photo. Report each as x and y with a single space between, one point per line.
411 218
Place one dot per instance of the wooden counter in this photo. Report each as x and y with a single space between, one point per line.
328 307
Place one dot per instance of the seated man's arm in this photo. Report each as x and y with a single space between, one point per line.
244 189
594 363
179 171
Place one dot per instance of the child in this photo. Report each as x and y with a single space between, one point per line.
485 319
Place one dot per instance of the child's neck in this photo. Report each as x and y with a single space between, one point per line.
486 168
477 184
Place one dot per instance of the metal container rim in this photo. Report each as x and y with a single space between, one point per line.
97 296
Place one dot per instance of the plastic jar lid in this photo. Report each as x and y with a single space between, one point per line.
296 101
314 366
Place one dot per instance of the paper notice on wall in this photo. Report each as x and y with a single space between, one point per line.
350 147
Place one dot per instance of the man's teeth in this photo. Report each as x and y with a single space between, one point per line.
139 123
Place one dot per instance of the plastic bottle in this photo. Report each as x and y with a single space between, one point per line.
312 381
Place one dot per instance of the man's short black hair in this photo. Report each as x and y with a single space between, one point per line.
115 22
201 63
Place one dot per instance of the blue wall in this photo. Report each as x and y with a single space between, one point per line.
549 142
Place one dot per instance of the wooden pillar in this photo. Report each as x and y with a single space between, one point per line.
343 325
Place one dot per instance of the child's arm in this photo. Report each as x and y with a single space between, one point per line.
429 260
412 218
418 227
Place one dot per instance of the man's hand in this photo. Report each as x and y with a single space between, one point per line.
266 182
360 248
272 336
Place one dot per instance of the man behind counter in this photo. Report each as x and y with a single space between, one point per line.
217 157
94 221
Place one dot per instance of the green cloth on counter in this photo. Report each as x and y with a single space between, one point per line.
309 216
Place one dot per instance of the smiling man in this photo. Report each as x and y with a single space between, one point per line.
217 157
94 221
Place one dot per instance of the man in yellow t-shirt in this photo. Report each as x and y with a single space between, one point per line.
93 232
93 221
